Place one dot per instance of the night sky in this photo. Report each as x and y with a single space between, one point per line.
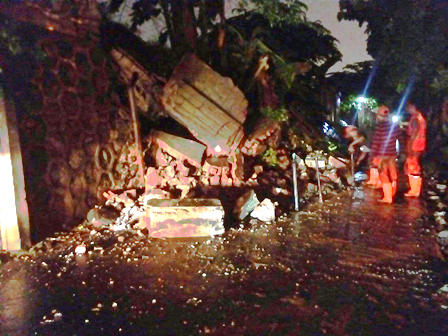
351 37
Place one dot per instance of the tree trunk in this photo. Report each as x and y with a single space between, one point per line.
189 25
202 22
178 43
169 23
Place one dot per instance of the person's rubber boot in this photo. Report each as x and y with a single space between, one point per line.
394 188
387 191
373 177
377 185
415 182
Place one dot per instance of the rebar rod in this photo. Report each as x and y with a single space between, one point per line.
294 177
136 134
318 181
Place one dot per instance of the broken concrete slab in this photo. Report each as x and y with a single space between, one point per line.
221 90
154 194
126 197
209 105
180 148
220 171
338 162
310 160
246 204
152 179
183 218
265 211
102 216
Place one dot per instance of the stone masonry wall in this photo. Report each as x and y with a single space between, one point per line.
75 141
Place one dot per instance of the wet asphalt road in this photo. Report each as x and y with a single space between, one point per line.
347 267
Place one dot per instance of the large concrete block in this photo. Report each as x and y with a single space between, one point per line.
180 148
195 96
246 204
184 217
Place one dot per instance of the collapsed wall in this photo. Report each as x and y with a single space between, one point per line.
73 117
75 143
76 128
77 132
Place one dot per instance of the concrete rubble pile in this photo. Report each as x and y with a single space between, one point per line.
214 156
334 172
438 196
156 215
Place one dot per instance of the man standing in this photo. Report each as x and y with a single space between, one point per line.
384 151
415 145
374 175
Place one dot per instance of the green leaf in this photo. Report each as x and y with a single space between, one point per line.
270 157
279 114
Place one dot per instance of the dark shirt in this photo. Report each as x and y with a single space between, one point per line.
384 139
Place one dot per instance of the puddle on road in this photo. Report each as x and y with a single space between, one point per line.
326 273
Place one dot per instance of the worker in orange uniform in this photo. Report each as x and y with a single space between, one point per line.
415 145
384 151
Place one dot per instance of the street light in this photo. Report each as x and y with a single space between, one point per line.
361 105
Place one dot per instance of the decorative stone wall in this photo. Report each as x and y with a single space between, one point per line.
75 143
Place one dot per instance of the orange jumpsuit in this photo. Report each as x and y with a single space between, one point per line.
415 144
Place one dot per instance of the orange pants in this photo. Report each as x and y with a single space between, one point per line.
387 167
412 164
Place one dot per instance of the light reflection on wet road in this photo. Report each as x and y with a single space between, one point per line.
347 267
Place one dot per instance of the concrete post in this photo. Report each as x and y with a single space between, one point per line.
14 218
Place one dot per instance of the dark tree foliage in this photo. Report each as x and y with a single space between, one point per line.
354 80
408 39
277 29
294 42
252 35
